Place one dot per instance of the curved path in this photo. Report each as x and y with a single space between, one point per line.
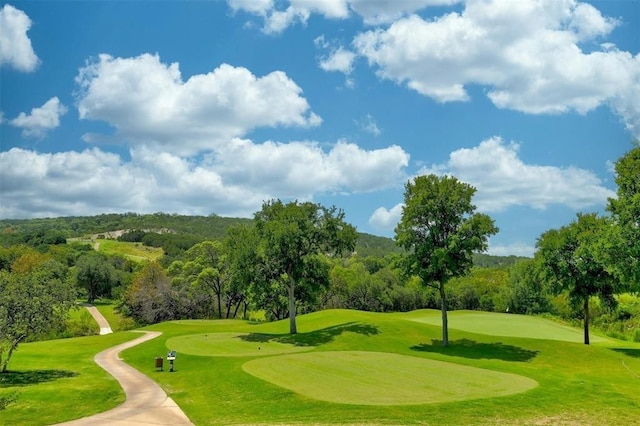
146 403
105 328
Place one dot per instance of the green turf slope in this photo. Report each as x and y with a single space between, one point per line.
382 378
233 344
499 324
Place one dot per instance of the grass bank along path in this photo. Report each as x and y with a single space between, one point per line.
146 402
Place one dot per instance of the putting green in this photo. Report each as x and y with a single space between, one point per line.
380 378
231 344
511 325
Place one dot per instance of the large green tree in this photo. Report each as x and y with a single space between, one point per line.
525 291
293 237
96 275
205 266
150 298
32 302
440 231
571 261
241 246
624 239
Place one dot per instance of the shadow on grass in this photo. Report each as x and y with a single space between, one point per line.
32 377
634 353
314 338
471 349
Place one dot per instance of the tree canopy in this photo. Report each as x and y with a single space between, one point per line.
440 232
32 301
571 261
292 238
205 265
624 239
96 275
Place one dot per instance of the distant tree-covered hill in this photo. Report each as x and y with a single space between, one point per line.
194 228
483 260
213 226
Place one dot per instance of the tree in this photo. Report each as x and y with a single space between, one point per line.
292 238
440 232
525 292
241 246
32 302
95 274
570 260
149 298
206 266
623 249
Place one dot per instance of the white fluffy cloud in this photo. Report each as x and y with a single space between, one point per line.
278 16
40 120
386 11
15 46
386 220
340 60
149 103
503 179
528 53
233 181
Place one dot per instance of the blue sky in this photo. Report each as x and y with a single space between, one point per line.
200 107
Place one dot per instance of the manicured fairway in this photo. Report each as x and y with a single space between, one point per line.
377 378
511 325
359 368
232 344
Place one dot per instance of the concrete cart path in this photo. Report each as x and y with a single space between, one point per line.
105 328
146 403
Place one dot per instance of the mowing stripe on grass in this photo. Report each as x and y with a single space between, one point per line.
233 344
380 378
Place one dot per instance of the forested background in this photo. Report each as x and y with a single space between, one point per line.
193 275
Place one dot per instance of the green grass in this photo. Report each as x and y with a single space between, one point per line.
57 380
577 384
231 344
110 312
358 377
510 325
134 251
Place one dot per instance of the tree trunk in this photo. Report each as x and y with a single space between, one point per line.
14 344
292 308
228 305
93 290
445 321
219 296
586 321
235 313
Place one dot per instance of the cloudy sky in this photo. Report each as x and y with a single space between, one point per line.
201 107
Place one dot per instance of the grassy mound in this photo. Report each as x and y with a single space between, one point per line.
232 344
378 378
508 325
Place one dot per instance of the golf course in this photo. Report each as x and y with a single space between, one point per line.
345 367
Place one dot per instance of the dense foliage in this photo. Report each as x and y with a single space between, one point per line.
34 297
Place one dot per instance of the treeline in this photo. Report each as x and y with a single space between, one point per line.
15 231
182 231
